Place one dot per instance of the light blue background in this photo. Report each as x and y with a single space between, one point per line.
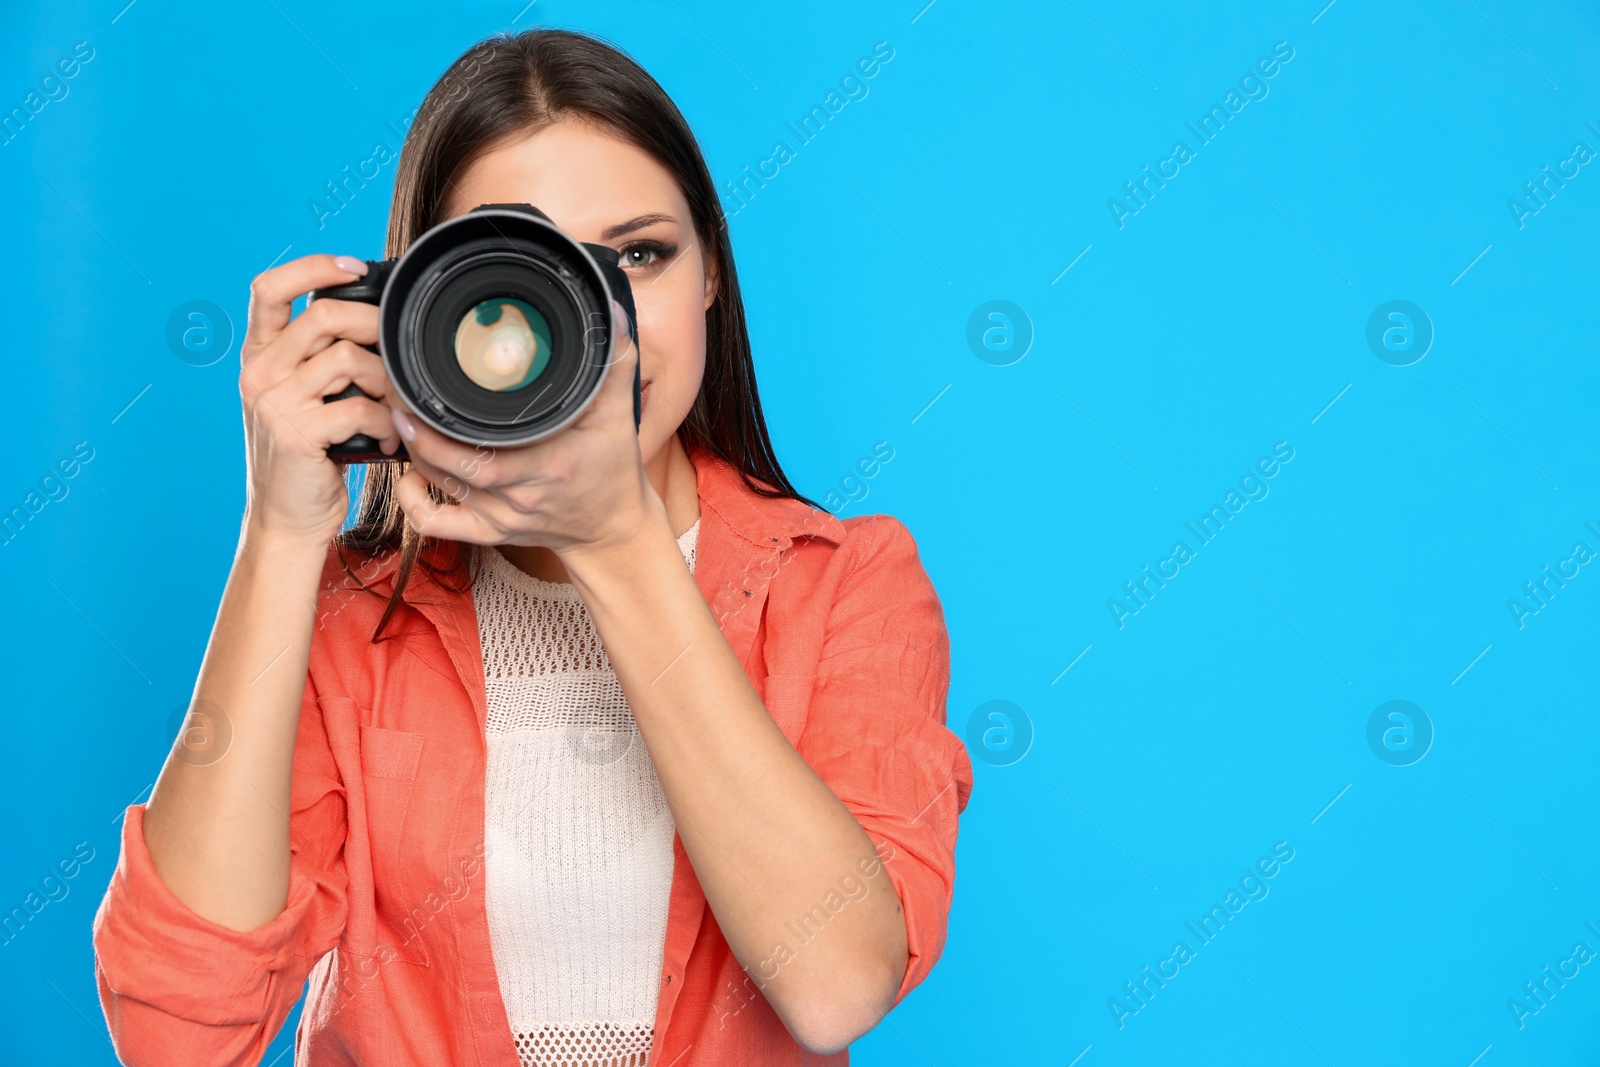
1225 316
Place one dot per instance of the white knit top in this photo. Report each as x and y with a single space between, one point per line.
580 868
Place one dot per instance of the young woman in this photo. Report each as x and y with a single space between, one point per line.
608 750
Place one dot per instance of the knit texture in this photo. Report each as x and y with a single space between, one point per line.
580 869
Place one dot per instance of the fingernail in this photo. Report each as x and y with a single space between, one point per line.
621 314
350 265
403 424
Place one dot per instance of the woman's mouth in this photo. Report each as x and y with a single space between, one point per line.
644 394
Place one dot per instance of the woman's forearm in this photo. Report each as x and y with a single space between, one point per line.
217 822
768 839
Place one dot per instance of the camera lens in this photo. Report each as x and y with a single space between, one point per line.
503 344
496 326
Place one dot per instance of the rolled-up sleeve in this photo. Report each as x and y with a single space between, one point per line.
178 988
876 730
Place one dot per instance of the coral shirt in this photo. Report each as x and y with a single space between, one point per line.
839 630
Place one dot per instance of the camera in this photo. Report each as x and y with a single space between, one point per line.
495 327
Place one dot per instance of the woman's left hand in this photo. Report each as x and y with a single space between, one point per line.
583 488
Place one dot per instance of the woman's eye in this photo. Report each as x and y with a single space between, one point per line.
646 254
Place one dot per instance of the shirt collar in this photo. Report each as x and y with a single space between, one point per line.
763 521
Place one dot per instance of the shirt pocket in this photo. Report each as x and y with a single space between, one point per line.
390 763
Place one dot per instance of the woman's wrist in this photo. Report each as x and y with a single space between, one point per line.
271 569
628 546
632 528
281 547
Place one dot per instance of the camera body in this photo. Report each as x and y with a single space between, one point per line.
495 328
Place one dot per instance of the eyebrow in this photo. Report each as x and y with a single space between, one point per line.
611 233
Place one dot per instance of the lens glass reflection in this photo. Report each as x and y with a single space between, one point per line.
503 344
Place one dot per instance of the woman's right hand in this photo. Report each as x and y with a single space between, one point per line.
295 492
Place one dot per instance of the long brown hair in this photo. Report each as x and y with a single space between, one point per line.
509 84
